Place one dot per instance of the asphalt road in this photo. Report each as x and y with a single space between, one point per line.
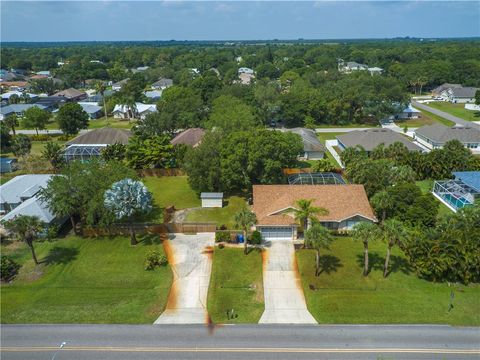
443 114
44 132
239 342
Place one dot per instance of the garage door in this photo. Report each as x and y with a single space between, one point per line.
276 233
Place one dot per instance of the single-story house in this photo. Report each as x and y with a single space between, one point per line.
191 137
7 95
153 95
369 139
349 66
18 196
459 192
275 205
375 70
118 85
245 70
439 89
162 84
436 135
139 112
14 85
91 143
93 110
71 94
211 200
408 113
18 109
313 149
140 69
459 94
51 103
8 165
44 73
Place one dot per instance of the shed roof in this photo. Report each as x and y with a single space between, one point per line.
104 136
369 139
211 195
309 139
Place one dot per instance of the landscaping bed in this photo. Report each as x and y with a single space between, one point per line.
341 294
84 280
236 283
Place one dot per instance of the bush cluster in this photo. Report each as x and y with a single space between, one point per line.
223 237
8 268
155 258
256 238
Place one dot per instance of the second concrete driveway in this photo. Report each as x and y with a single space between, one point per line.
284 298
190 257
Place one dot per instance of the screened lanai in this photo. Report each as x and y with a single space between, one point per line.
316 179
82 152
455 193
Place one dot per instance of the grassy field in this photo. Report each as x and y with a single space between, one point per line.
85 281
328 136
427 119
172 190
348 126
236 283
92 124
222 216
456 110
426 186
343 295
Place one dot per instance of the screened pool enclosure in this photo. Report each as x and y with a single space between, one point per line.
455 193
83 152
316 179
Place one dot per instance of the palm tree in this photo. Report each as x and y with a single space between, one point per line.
25 228
318 237
382 202
307 213
245 219
100 89
12 122
393 233
365 232
53 153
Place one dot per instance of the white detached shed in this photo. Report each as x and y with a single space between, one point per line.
210 200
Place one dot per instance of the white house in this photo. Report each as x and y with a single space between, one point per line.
245 70
211 200
139 112
459 94
118 85
162 84
7 95
436 135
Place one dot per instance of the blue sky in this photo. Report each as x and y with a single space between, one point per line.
235 20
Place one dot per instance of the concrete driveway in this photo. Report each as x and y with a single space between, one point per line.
191 259
284 298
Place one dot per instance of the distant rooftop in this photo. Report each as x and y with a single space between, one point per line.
471 178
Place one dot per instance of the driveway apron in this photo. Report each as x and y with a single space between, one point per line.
284 298
190 257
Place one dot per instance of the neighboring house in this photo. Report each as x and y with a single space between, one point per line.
19 196
51 103
14 85
435 136
7 95
118 85
191 137
162 84
71 94
7 165
408 113
245 78
369 139
18 109
211 200
460 192
245 70
275 205
93 110
459 94
194 71
349 66
375 71
439 89
153 95
45 73
139 112
90 144
313 149
140 69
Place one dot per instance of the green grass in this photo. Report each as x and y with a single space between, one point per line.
222 216
427 118
457 110
86 281
328 136
110 122
347 126
236 283
172 190
426 186
343 295
37 148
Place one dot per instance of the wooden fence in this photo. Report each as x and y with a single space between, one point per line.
141 229
161 172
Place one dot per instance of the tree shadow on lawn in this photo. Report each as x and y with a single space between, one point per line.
376 262
60 255
329 264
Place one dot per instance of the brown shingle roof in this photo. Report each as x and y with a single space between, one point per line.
104 136
191 137
342 202
70 93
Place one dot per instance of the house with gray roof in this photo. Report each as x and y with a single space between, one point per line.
313 149
435 136
93 110
18 109
369 139
162 84
19 196
439 89
71 94
118 85
459 94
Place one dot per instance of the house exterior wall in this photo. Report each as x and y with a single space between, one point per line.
431 144
209 203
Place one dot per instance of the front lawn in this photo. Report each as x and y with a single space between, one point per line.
341 294
172 190
222 216
457 110
427 118
236 283
110 122
85 280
